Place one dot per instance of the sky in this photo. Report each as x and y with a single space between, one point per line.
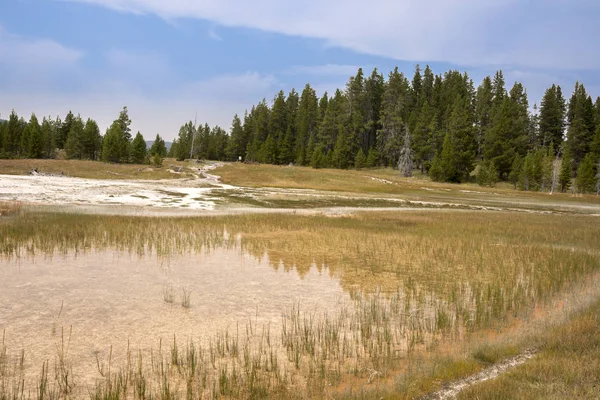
170 60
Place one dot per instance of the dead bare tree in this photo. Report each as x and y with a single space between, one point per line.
555 172
405 162
598 179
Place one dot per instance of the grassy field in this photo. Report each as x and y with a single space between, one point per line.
566 368
87 169
435 296
380 182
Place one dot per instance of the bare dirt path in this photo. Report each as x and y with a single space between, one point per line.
492 372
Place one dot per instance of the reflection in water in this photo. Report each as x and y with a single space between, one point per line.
114 298
274 301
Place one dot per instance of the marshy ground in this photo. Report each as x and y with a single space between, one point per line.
285 291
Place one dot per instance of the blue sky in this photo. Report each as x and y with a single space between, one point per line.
167 59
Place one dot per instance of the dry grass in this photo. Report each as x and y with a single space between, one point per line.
87 169
10 208
378 181
567 367
426 288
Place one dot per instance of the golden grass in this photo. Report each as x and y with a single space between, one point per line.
446 277
87 169
376 181
10 208
566 368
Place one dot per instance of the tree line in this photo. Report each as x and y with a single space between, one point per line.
72 138
441 125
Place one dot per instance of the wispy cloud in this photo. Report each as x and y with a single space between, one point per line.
557 34
325 70
215 99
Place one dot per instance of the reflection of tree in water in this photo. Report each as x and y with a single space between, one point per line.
507 260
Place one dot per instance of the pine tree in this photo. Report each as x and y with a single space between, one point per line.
586 175
138 149
566 171
158 147
49 128
552 118
307 125
63 131
372 158
360 161
483 111
317 159
515 171
580 118
12 136
279 119
3 129
73 145
405 162
447 160
36 140
463 142
598 178
91 141
395 110
286 149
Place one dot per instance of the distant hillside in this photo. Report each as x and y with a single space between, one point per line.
2 120
149 144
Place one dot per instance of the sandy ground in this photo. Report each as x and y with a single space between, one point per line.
194 194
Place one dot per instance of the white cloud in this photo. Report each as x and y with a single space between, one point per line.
326 70
26 62
557 34
215 99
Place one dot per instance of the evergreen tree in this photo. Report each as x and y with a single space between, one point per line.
586 175
515 171
63 131
279 119
317 159
372 158
581 122
566 171
91 140
598 178
395 110
486 174
483 112
332 120
158 147
36 140
360 161
307 125
112 144
286 149
461 154
124 125
49 128
268 151
3 129
12 136
184 141
446 163
374 89
236 146
138 149
73 145
552 118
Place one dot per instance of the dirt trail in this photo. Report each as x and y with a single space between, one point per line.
492 372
